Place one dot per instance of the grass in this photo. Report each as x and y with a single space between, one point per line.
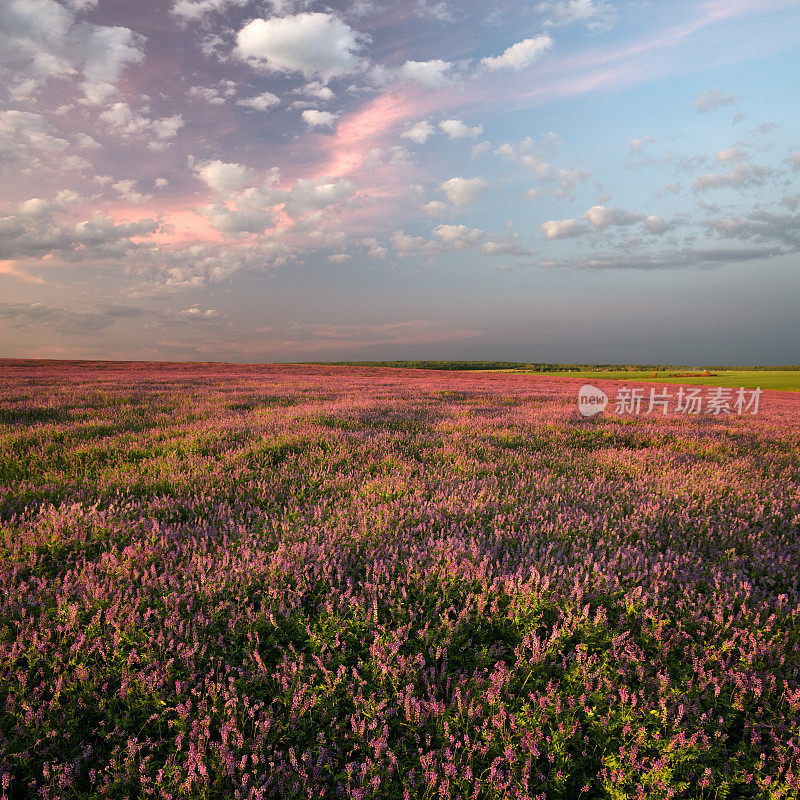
784 381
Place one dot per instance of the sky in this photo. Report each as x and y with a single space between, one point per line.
598 181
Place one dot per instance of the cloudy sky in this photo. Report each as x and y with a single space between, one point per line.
550 180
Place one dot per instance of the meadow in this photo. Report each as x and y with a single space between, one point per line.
777 380
287 581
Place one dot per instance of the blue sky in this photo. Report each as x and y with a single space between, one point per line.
556 180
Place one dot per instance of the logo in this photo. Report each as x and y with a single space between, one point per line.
591 400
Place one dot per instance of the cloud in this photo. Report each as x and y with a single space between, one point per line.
563 228
125 122
456 129
261 102
434 74
419 132
319 119
316 89
637 145
436 208
41 40
530 154
602 217
254 218
127 190
376 250
731 155
35 315
519 55
656 226
196 313
215 95
434 9
317 45
339 258
307 195
34 233
794 160
740 176
686 258
407 245
759 225
196 10
459 236
504 248
223 178
567 179
23 134
712 100
593 13
464 191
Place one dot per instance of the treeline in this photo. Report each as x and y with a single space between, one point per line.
450 365
547 367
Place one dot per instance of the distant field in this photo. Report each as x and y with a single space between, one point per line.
786 381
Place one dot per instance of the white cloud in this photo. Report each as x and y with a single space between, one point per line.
376 250
123 121
562 228
594 13
436 208
602 217
480 148
41 39
223 178
261 102
529 154
317 89
731 155
459 236
456 129
741 175
519 55
86 142
656 226
760 225
504 248
686 258
215 95
419 132
713 99
431 8
307 195
568 180
197 313
434 74
319 119
127 190
463 191
195 10
23 134
316 45
407 245
637 145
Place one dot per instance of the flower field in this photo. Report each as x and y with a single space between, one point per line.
223 581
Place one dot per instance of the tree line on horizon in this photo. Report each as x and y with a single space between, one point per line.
546 367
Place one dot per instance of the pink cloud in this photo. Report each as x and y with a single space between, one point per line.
10 268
